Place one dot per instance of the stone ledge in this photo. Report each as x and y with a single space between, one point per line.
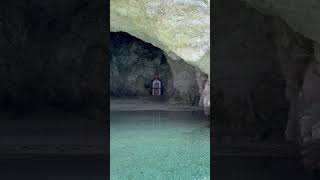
140 105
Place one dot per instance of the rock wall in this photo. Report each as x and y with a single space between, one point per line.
310 100
134 63
302 66
293 51
51 52
180 28
269 81
248 80
302 16
204 89
185 82
299 56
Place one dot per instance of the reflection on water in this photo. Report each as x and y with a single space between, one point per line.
159 145
242 168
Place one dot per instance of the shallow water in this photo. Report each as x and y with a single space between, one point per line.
159 145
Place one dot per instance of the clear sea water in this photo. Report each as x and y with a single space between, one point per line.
159 145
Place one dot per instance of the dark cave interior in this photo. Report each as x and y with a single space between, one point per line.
259 87
134 63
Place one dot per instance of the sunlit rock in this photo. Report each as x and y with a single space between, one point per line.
180 28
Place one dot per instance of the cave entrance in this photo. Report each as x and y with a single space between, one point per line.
146 116
138 69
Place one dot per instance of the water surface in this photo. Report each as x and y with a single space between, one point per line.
159 145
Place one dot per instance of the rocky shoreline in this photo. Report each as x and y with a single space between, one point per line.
147 105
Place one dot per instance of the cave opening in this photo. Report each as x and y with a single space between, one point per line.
134 65
157 128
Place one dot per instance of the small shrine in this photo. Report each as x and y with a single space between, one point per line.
156 86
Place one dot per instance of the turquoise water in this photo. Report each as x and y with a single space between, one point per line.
158 145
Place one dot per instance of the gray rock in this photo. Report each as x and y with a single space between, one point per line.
134 64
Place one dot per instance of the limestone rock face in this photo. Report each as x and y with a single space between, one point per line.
205 98
133 64
302 16
185 83
180 28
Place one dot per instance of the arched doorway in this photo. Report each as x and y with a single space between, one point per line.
156 87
